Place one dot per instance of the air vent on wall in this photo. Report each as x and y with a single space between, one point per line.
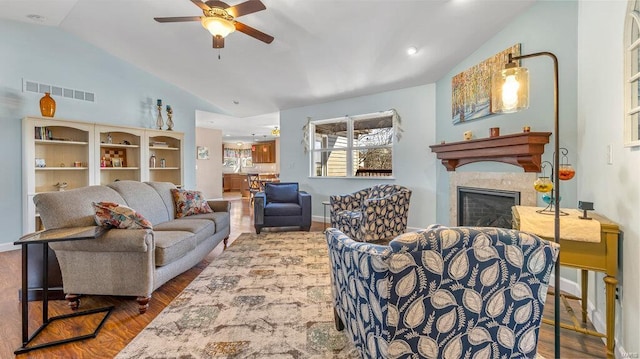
36 87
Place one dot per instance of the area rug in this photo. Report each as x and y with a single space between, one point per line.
266 296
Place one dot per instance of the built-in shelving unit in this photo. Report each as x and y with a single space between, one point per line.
167 147
62 155
119 153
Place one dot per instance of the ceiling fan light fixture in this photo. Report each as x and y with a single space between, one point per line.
218 26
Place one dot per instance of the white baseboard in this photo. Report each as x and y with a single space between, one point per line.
568 286
5 247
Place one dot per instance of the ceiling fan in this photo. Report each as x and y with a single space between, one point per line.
220 19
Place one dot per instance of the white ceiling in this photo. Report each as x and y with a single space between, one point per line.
324 50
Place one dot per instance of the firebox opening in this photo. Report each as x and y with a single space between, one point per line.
482 207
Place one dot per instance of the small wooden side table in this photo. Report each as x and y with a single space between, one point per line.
44 237
589 256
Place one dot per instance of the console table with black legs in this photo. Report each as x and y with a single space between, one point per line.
44 237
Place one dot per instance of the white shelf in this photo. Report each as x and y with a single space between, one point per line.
163 168
118 168
118 145
61 168
59 142
163 148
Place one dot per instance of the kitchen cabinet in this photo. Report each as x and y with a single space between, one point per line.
236 182
264 152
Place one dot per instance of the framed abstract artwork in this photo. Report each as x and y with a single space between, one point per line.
203 153
471 89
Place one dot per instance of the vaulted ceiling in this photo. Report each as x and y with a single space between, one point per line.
324 50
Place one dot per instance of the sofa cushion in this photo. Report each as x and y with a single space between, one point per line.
221 219
282 209
188 203
202 228
172 245
164 190
281 192
113 215
144 199
56 210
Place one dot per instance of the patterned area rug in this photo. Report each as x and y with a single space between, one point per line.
266 296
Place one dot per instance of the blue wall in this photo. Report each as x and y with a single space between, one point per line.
413 164
546 26
125 95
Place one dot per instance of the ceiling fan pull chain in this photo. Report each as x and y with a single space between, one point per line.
218 54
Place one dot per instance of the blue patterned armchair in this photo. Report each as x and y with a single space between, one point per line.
376 213
461 292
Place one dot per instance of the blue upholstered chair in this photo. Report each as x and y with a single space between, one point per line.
442 292
376 213
282 205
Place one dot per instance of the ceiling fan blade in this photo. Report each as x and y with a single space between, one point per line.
178 18
218 42
246 8
253 32
201 5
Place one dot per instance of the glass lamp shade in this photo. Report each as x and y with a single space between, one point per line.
510 90
218 26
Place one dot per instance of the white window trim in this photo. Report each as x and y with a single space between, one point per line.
350 147
630 134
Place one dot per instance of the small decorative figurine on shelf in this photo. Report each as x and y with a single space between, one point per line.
109 138
159 120
169 120
61 186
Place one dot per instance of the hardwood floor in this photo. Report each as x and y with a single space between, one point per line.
125 322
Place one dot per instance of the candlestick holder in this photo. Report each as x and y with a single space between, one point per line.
169 118
159 120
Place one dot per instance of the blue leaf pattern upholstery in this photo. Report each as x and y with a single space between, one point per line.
459 292
376 213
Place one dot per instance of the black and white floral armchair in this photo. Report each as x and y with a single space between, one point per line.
371 214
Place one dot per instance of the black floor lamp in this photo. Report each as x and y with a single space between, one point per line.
510 93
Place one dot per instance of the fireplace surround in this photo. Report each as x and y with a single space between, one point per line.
521 182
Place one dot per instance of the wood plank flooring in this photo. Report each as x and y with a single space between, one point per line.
125 322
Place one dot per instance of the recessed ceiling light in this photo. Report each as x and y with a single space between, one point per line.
228 135
36 17
412 50
236 102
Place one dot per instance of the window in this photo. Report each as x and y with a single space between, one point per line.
353 146
632 74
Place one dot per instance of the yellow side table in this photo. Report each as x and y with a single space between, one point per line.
600 257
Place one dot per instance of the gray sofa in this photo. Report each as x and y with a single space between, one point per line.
129 262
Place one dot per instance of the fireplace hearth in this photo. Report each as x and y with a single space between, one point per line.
483 207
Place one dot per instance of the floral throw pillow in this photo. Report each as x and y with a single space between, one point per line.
114 215
189 203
